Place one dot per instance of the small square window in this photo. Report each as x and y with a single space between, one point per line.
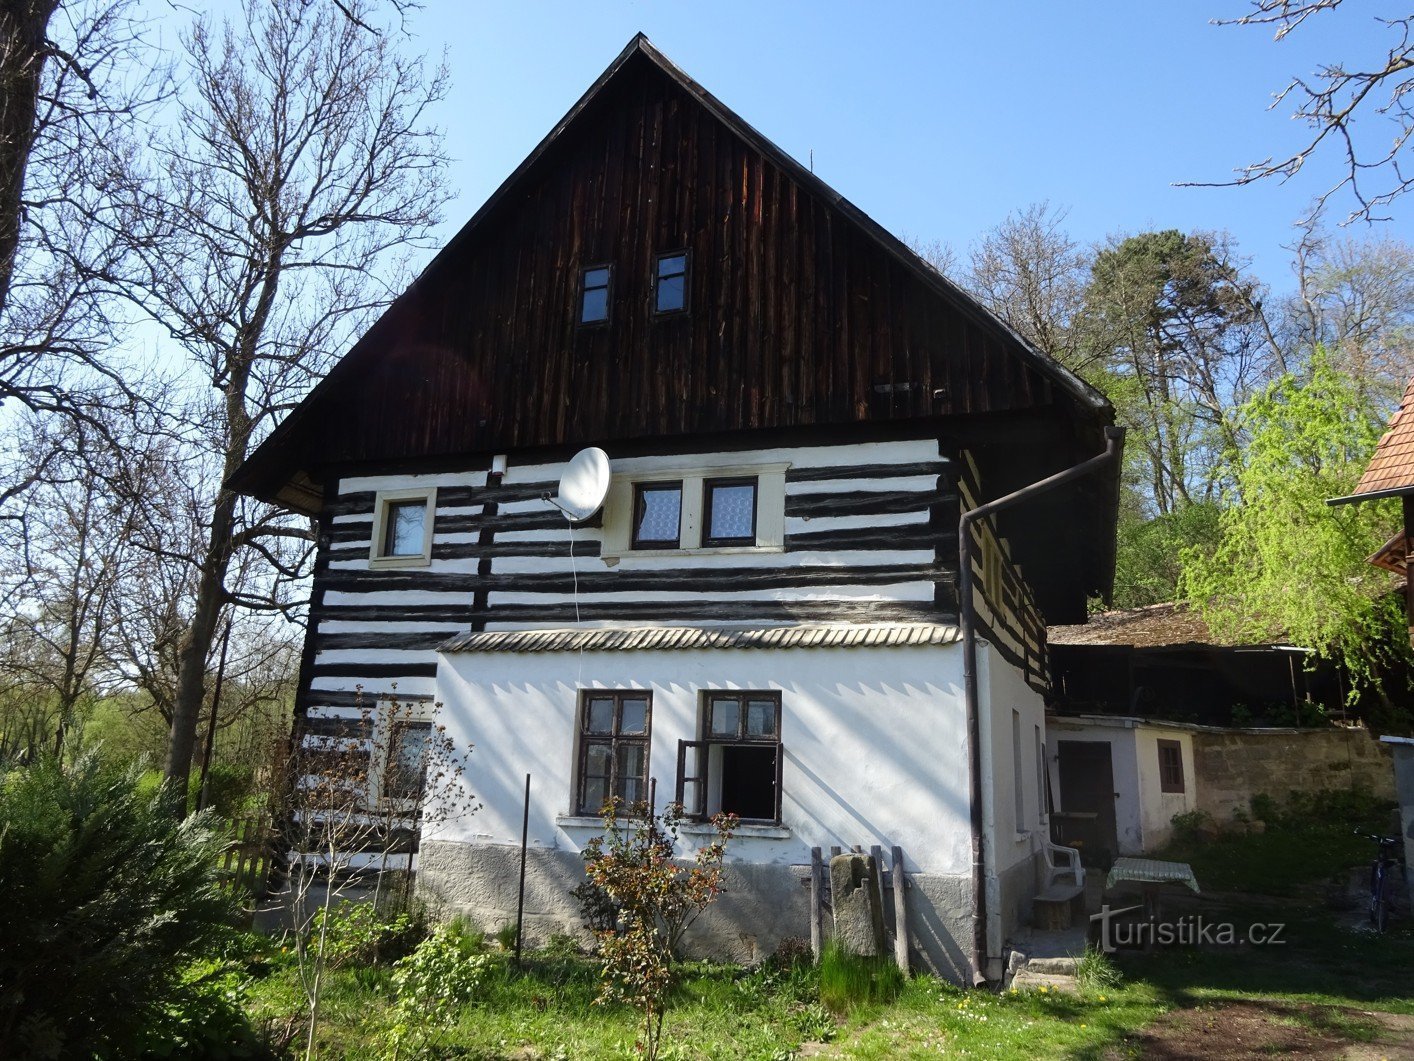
594 298
670 283
402 529
657 515
729 516
1170 766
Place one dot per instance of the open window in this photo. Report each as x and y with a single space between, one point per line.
735 766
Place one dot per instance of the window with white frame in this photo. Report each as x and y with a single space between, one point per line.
734 767
702 509
402 528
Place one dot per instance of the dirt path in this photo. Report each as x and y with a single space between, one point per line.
1264 1029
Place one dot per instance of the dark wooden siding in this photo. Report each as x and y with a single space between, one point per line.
796 315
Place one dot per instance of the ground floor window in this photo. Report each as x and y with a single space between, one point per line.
735 765
613 749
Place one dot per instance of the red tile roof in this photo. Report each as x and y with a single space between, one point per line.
1392 466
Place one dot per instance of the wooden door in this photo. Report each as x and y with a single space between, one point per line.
1087 799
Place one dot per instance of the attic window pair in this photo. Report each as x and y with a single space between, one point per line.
729 513
669 288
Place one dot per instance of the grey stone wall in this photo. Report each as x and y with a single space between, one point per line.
763 904
1234 766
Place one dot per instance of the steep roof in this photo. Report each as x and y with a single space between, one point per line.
811 316
1390 472
1154 626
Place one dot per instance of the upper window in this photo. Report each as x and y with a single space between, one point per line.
1170 766
729 511
594 294
402 528
670 283
657 515
735 766
613 749
405 772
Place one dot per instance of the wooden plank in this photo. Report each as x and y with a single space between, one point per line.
900 912
816 910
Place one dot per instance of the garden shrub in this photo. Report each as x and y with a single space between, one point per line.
1188 827
361 934
431 986
106 898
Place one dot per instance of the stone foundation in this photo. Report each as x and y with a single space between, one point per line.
763 904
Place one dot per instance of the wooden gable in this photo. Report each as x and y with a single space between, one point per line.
802 312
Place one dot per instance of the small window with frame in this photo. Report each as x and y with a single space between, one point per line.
405 770
735 765
729 511
657 515
614 732
402 528
670 283
1170 766
596 283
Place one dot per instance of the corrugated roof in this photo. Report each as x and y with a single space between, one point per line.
681 638
1392 466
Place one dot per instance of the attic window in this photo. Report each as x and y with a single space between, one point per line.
670 283
594 298
402 528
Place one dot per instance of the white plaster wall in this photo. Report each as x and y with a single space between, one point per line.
1003 689
1158 808
1129 817
875 743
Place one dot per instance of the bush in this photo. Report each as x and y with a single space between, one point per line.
105 899
360 934
1188 827
848 981
431 986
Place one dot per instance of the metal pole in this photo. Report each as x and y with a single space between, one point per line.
211 727
524 842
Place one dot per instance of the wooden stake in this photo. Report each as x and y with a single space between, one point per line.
815 911
900 913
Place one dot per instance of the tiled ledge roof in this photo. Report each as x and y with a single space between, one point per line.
682 638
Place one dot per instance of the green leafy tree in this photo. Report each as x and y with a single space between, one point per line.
657 899
1286 564
105 898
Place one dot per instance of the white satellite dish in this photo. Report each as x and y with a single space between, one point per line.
583 485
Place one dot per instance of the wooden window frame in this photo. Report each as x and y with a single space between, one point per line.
636 511
586 740
1167 782
705 742
708 485
584 289
383 505
686 257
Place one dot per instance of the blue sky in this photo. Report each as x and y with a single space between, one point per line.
939 118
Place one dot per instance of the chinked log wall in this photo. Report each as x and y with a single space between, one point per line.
870 536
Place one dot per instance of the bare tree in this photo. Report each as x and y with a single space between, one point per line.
1373 154
1029 272
303 163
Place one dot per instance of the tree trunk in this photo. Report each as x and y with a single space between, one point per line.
23 50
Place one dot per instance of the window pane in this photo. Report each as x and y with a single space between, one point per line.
657 515
630 790
598 760
403 535
635 717
726 718
672 292
407 760
672 265
595 305
761 718
596 793
733 508
600 716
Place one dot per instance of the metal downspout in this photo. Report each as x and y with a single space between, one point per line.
1114 444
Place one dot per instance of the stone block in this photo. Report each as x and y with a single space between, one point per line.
858 904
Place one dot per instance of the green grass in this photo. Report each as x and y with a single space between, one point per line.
848 981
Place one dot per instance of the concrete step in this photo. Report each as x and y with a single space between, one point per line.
1050 966
1031 981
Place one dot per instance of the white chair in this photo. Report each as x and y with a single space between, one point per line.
1061 863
